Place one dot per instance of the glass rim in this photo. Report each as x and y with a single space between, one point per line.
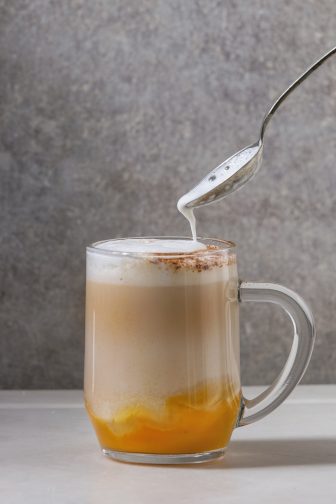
224 246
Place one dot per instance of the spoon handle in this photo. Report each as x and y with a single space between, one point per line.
291 88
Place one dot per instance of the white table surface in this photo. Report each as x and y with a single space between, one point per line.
49 454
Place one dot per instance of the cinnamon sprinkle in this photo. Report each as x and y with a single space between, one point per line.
197 261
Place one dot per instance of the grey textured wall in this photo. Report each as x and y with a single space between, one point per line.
110 110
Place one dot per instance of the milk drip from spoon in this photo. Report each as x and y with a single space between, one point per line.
238 169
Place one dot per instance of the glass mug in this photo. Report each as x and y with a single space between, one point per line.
162 378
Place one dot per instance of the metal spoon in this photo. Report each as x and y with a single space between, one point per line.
242 166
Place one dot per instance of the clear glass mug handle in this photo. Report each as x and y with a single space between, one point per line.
300 353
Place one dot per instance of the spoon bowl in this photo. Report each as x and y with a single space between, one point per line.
226 178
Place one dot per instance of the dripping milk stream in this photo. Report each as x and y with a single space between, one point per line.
188 213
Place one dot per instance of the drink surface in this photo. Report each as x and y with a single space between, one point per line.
152 245
162 347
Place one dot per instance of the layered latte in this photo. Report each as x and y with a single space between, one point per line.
162 345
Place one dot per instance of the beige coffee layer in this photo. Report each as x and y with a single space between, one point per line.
144 344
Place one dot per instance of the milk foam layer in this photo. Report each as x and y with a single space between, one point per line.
147 269
152 246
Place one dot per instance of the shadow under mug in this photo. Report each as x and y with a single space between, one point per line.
162 374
